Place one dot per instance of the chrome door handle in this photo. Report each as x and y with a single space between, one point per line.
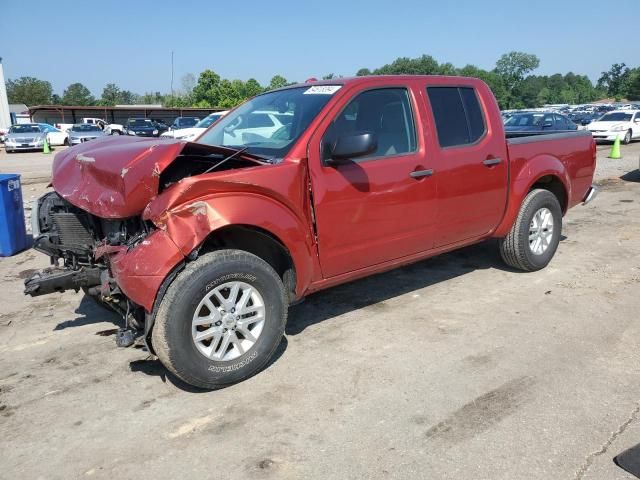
421 173
492 161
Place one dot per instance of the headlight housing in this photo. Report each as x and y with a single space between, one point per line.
618 128
155 132
131 132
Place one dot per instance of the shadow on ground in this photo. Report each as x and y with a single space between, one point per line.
378 288
91 312
633 176
153 367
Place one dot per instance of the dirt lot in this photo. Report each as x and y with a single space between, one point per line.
455 367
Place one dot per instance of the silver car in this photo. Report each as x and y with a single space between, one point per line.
28 136
84 132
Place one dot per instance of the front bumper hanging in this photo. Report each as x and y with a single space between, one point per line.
52 280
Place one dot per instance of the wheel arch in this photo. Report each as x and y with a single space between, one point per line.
542 171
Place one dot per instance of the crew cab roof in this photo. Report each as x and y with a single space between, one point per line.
387 79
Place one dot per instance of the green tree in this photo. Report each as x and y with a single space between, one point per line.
110 95
613 81
252 88
29 90
206 92
513 67
633 85
77 94
363 72
490 78
277 81
424 65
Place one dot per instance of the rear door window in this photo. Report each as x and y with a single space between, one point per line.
458 115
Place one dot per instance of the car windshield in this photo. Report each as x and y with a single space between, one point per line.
186 122
525 120
85 127
268 125
208 121
616 117
140 122
25 129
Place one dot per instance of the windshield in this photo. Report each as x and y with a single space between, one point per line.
616 117
25 129
85 128
140 122
525 120
268 125
208 121
186 122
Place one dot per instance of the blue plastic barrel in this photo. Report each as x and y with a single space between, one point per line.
13 234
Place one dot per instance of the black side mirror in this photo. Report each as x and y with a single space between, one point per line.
352 146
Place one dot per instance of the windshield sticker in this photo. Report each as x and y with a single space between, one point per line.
322 90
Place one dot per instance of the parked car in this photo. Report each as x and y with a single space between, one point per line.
192 133
3 134
161 126
538 122
26 136
203 246
624 124
141 127
84 132
108 128
184 122
55 137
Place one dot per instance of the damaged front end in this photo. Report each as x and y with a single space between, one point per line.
93 228
76 242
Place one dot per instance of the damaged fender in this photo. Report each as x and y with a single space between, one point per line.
190 223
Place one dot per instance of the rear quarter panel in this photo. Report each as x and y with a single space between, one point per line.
569 157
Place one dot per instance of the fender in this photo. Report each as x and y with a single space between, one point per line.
522 181
188 224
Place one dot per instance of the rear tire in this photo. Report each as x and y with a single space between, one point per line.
535 235
115 132
184 307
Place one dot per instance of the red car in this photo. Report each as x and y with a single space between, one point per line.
203 246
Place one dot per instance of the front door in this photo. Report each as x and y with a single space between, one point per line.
379 207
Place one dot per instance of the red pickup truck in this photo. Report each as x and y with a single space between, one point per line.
202 246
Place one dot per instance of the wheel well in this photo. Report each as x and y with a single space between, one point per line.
260 243
555 186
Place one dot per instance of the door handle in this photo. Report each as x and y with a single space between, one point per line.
421 173
491 161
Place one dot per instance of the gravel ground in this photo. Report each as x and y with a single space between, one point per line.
455 367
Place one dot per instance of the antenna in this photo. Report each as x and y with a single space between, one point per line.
172 73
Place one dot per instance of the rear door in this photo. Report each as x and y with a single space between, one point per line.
379 207
471 159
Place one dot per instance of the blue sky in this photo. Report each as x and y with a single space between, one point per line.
130 42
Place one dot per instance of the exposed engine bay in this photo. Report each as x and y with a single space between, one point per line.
71 237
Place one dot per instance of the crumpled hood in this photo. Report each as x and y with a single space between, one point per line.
116 177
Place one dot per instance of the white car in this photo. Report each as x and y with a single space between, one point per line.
55 136
620 123
256 127
190 134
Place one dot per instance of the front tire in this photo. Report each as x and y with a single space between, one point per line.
221 319
627 138
115 132
535 235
